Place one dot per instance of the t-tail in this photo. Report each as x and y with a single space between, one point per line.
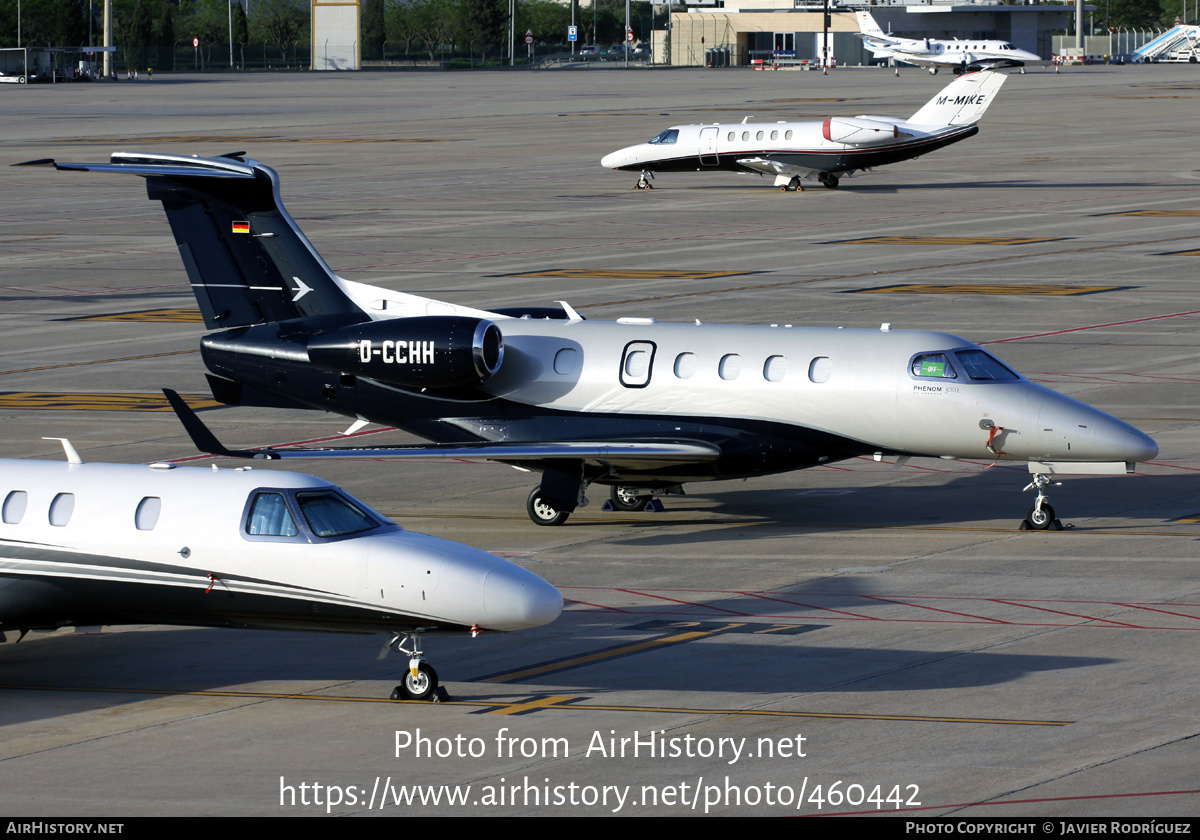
247 261
962 102
868 26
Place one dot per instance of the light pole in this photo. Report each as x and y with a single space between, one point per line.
230 8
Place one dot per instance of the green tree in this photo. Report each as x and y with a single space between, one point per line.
374 29
133 30
484 23
241 33
164 36
280 21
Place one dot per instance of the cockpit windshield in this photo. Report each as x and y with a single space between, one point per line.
330 514
981 366
671 135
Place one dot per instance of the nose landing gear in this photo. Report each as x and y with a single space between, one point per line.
644 182
1040 517
421 680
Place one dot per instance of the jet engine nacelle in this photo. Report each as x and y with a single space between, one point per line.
856 131
433 351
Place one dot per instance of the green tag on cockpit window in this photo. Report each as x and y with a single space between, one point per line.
931 368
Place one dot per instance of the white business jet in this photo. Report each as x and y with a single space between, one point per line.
931 53
795 151
635 405
86 544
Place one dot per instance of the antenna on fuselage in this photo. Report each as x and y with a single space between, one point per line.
72 455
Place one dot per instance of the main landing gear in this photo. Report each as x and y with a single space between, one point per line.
828 180
622 497
1040 517
421 681
933 71
644 182
541 511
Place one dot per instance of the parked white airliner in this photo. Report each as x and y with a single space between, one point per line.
794 151
633 404
93 544
931 53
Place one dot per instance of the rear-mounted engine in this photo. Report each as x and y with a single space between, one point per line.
426 352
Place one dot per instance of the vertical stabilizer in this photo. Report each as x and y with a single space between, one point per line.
246 260
962 102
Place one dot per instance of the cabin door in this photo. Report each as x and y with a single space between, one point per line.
708 146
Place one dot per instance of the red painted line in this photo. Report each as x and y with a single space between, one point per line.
810 606
595 606
1020 802
936 609
1072 615
677 601
1093 327
1172 466
1165 612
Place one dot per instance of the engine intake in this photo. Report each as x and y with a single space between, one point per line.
425 352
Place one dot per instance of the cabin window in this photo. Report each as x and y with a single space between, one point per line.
933 366
983 367
146 515
566 361
730 136
14 506
745 135
330 514
758 136
61 509
269 517
635 364
730 366
820 369
685 365
775 369
787 135
774 135
671 135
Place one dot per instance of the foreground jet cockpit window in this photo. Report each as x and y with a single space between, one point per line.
330 514
269 517
981 366
933 366
671 135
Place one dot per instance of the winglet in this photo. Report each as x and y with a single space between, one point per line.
202 438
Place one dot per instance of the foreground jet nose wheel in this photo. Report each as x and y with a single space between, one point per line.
420 687
1040 519
542 512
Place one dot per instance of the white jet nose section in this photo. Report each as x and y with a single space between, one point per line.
615 159
514 599
1090 434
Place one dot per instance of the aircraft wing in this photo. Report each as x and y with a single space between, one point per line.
616 451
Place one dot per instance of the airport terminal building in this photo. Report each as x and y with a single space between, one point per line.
739 32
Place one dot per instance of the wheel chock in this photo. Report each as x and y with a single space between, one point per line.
608 505
654 506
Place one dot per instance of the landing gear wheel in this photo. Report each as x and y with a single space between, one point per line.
828 180
541 511
1040 520
933 71
422 687
622 499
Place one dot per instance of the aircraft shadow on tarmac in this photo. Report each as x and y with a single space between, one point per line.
991 500
121 667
